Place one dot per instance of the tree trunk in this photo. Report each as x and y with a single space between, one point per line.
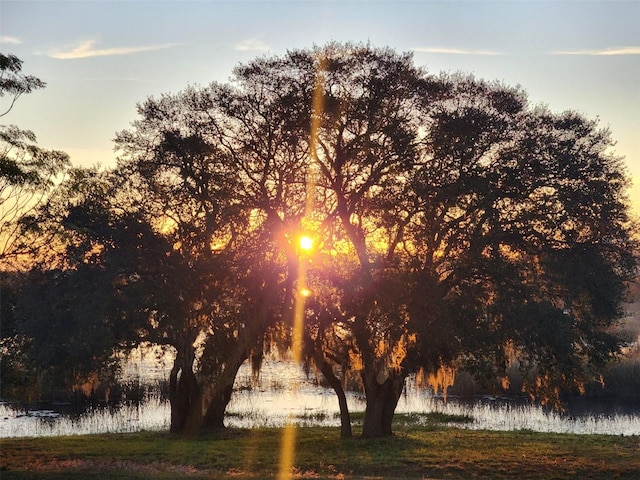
336 384
382 392
219 395
217 406
184 395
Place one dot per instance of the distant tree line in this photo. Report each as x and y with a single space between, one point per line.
450 224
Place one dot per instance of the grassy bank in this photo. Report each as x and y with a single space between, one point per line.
414 452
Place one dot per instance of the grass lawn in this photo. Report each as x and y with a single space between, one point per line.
414 452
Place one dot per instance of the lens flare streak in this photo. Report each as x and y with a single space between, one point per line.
287 446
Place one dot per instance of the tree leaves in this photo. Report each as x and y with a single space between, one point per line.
452 219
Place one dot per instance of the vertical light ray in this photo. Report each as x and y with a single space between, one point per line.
316 118
287 452
288 443
298 312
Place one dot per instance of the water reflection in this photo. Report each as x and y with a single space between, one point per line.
272 402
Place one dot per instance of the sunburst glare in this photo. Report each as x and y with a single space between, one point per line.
287 447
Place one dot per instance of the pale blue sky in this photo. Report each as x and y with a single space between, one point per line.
101 57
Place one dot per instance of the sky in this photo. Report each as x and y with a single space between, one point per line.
100 58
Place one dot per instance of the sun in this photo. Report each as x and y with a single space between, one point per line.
306 243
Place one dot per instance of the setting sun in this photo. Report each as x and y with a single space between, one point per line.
305 292
306 243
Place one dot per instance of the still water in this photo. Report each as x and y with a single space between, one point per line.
283 395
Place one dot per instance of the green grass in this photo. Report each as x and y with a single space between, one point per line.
417 452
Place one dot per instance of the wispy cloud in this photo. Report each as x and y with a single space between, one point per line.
87 49
611 51
454 51
252 45
9 40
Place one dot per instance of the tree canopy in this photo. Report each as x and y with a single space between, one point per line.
28 173
28 176
454 225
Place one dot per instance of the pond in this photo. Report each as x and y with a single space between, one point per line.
285 395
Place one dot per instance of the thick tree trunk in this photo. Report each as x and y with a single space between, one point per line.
219 395
200 402
218 401
184 395
336 384
382 393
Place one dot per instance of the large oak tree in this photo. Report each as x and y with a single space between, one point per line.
455 225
